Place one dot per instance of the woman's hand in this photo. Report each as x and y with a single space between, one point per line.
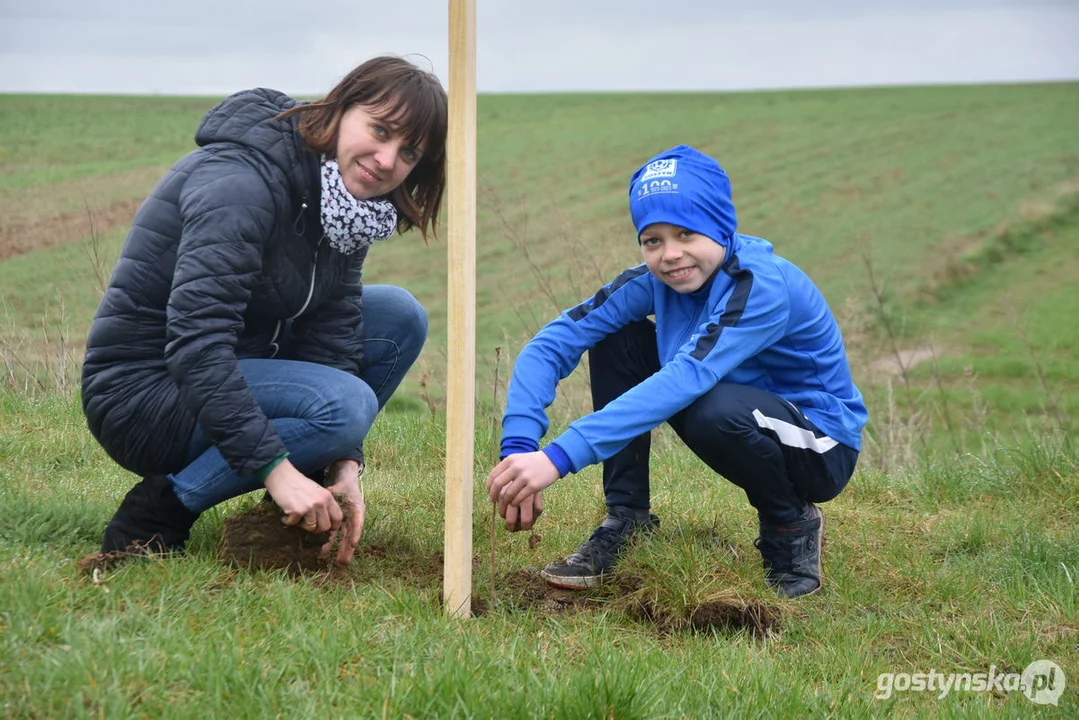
305 502
517 483
344 477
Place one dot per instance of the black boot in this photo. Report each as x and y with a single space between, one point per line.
150 519
791 553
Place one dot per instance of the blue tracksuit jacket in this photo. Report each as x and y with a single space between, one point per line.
759 322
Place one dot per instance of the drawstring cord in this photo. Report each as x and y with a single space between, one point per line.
300 225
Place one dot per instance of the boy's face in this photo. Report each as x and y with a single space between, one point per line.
682 259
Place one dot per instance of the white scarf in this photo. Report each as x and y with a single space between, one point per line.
350 224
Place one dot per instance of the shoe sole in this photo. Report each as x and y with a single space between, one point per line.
571 583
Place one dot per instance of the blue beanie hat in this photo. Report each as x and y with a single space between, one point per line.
684 187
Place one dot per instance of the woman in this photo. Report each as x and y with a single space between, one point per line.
236 347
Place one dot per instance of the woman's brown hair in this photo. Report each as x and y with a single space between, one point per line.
404 96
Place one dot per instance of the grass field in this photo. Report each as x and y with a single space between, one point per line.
942 225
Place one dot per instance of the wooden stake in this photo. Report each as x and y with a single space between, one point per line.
461 348
496 447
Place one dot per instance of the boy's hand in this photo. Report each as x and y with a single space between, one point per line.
515 482
525 516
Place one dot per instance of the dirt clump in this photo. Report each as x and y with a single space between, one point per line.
730 614
258 539
527 590
102 561
722 614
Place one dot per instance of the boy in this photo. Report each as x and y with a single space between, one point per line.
744 360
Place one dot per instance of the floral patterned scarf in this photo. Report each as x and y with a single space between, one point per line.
350 224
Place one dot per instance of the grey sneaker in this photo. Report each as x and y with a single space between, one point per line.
598 555
791 553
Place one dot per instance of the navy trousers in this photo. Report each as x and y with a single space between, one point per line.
755 439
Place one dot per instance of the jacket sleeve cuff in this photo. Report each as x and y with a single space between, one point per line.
560 459
577 449
511 445
264 472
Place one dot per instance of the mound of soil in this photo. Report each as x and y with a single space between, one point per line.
728 615
724 614
258 539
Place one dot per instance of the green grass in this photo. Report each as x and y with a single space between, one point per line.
47 139
965 200
955 568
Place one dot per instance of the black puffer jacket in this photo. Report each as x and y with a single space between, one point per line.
224 250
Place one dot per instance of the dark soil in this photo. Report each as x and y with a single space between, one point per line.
258 539
525 590
757 618
102 561
725 615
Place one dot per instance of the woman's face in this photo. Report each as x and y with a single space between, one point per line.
372 152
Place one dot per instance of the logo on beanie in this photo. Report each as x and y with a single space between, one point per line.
656 186
660 169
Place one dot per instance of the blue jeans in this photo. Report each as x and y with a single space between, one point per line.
321 413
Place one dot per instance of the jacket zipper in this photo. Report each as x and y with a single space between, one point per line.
299 226
698 313
310 290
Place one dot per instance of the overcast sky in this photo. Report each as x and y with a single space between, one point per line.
214 47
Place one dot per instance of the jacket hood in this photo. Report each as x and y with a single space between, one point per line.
247 118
